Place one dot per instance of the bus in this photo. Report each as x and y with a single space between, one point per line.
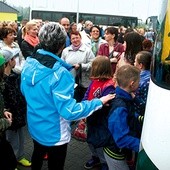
97 19
100 13
155 140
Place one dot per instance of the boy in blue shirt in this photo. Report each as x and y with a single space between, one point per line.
122 122
143 62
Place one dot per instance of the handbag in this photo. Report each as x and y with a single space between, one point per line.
79 90
80 132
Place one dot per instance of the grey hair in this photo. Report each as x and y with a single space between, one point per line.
52 37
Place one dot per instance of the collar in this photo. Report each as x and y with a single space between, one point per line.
123 94
82 48
63 63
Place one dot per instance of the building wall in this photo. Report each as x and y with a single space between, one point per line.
8 16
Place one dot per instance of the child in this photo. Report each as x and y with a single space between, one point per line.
120 119
143 62
7 157
15 103
101 85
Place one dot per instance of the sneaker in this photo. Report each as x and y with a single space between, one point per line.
46 156
24 162
94 161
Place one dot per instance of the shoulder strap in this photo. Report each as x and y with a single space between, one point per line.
78 77
117 102
111 54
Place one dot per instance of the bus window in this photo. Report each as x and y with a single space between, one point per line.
101 19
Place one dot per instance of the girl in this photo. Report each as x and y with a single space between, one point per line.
101 85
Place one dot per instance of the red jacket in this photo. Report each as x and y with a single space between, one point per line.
104 50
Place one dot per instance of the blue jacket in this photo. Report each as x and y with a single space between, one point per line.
142 92
118 124
48 88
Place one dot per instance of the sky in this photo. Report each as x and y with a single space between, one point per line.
142 8
23 3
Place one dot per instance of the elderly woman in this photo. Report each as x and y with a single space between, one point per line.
48 87
7 37
80 57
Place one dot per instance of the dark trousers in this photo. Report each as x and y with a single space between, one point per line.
7 158
56 156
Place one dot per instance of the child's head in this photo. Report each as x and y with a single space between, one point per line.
2 62
147 45
101 68
143 60
128 77
9 55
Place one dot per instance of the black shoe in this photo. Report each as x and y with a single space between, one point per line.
94 161
104 166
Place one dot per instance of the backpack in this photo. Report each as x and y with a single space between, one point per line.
99 134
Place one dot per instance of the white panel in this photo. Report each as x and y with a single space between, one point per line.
156 128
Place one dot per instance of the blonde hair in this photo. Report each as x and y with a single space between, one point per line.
28 26
88 23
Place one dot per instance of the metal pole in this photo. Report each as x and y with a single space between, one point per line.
77 18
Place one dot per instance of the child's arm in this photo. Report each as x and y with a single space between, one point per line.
108 90
140 99
87 92
5 122
117 124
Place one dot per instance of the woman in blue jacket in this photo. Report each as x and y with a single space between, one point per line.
48 87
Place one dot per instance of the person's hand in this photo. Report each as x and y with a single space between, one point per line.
113 60
133 95
106 98
76 66
8 116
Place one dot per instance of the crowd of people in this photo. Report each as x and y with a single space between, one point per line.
56 73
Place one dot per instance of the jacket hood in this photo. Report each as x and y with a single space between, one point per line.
33 71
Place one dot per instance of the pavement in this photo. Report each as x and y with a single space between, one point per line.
77 154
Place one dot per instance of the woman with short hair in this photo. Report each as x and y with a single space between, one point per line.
80 56
48 87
